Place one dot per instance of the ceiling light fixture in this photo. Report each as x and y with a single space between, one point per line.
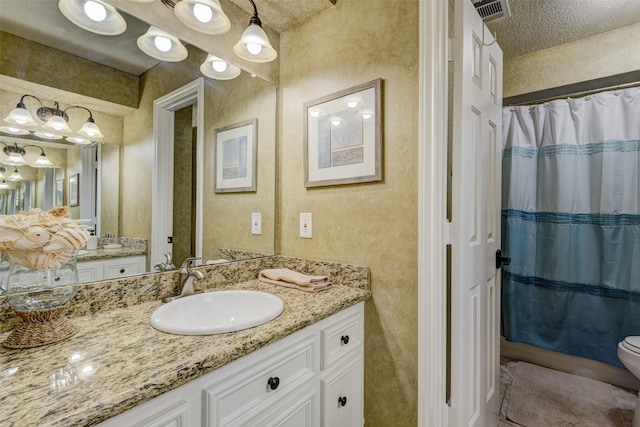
219 69
161 45
94 15
254 44
21 122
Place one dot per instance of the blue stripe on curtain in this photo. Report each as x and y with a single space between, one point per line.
586 321
593 148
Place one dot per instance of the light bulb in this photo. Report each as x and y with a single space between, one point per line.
95 11
254 48
314 113
335 122
366 116
163 44
219 66
13 130
352 104
202 13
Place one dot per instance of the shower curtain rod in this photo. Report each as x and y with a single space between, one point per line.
619 81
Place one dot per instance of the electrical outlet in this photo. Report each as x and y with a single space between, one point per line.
256 223
305 226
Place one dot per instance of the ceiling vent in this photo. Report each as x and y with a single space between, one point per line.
492 10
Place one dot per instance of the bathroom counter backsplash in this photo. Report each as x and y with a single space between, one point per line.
130 247
118 361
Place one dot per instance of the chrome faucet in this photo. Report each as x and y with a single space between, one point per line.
167 265
187 277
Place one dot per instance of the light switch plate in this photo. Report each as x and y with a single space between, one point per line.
256 223
306 225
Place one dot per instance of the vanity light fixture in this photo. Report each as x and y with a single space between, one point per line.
93 15
4 185
15 156
21 122
254 44
161 45
219 69
15 175
205 16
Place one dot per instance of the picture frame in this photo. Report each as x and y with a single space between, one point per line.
236 157
74 182
59 193
343 137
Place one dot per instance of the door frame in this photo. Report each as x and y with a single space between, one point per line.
164 109
432 213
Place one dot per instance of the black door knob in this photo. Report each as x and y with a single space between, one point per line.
345 339
342 401
500 260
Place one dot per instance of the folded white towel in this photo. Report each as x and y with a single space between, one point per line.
294 279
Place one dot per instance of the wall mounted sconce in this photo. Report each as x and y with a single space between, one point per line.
21 122
161 45
219 69
15 156
93 15
15 175
254 44
205 16
4 185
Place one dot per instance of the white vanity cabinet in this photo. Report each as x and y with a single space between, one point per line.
110 268
311 378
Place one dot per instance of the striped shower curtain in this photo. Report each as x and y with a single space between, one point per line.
571 224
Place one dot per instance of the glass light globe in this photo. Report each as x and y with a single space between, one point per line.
202 13
254 48
163 44
95 11
219 66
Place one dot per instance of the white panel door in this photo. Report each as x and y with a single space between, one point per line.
475 281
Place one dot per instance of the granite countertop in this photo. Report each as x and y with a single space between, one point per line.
118 361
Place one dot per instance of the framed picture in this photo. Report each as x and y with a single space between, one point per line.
236 157
73 189
59 201
343 138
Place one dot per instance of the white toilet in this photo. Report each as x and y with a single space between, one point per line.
629 355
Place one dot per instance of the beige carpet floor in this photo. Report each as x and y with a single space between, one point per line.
542 397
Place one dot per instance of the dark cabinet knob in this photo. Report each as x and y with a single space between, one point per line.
344 339
342 401
273 383
121 270
500 260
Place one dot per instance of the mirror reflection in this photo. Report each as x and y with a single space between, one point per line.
115 175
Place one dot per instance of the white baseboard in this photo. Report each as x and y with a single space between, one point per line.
571 364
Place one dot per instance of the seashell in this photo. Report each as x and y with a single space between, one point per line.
34 238
10 234
67 238
6 246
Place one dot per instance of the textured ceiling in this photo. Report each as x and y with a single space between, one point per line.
281 15
540 24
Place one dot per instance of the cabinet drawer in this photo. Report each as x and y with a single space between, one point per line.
243 393
341 336
113 271
342 395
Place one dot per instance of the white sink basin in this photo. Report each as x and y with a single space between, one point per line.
216 312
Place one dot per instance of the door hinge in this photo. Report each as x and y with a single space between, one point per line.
448 232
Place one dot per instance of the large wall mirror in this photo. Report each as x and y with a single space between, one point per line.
121 98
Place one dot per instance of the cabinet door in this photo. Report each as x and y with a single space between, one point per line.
122 267
342 395
171 417
89 272
301 410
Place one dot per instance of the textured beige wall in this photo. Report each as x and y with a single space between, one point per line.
607 54
27 60
228 215
370 224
